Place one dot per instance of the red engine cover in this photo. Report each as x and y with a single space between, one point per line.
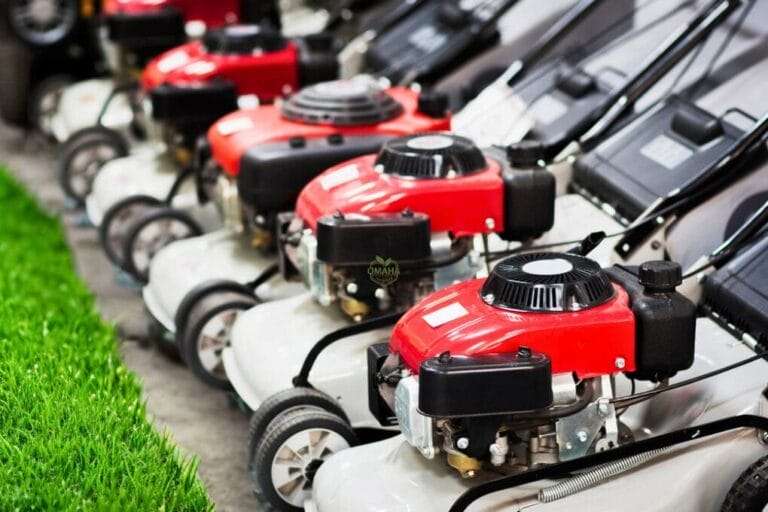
213 14
456 319
355 187
268 75
234 134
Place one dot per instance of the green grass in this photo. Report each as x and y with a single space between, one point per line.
73 430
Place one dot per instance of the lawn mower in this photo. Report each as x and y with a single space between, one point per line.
339 362
612 389
369 238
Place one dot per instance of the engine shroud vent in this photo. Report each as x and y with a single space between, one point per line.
243 40
431 156
342 103
547 282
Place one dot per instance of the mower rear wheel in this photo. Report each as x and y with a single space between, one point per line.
82 157
118 220
279 404
208 333
150 234
749 493
289 455
44 102
42 23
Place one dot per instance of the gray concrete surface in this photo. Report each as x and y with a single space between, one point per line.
200 420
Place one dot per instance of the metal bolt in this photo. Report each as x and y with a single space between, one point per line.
620 363
490 223
378 168
602 407
488 298
763 436
581 436
462 443
380 293
352 288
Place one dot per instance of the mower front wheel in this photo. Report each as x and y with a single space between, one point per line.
749 493
44 102
150 234
82 157
118 220
208 332
42 23
291 452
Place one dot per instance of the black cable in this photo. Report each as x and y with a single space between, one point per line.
265 275
629 400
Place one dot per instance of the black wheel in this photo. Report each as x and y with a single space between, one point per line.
151 233
118 219
44 102
197 294
42 23
207 334
158 336
83 155
749 493
289 455
15 79
281 403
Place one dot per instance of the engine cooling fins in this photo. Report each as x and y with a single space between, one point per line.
244 39
547 282
342 103
432 156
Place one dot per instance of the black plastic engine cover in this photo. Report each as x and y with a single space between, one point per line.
272 175
431 40
664 150
357 241
244 39
665 326
317 59
529 201
195 105
156 31
738 292
462 386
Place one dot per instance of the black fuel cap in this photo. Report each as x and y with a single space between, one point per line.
431 156
433 104
342 103
554 282
661 276
244 39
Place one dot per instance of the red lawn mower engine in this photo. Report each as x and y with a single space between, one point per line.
194 85
262 158
379 233
517 370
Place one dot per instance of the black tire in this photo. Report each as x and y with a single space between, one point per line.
749 493
286 401
336 430
220 307
44 102
16 63
197 294
157 336
34 30
90 149
120 216
140 269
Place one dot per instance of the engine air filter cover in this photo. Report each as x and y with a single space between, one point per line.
244 40
342 103
555 282
431 156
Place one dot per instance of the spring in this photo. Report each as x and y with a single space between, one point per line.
591 478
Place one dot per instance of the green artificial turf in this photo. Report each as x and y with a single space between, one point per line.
73 430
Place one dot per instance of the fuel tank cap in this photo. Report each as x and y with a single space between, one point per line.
342 103
431 156
555 282
244 40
